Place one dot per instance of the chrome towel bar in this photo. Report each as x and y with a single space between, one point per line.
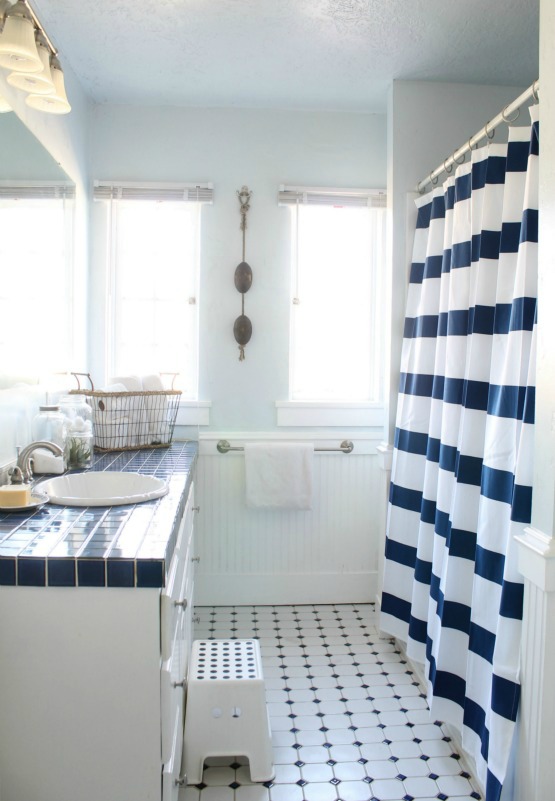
346 446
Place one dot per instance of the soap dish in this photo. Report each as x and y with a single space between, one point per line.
38 499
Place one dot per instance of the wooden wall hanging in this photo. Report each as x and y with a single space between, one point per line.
242 328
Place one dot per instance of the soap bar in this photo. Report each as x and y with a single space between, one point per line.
13 495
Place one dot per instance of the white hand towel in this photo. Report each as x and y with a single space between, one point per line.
46 462
279 475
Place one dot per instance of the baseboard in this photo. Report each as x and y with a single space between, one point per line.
283 589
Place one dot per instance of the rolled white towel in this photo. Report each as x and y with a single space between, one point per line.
115 404
152 383
132 383
156 409
112 432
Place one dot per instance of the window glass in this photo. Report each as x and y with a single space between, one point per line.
155 253
336 348
35 287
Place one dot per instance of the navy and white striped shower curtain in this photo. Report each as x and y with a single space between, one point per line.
461 481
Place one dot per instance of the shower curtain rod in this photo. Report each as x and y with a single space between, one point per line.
487 131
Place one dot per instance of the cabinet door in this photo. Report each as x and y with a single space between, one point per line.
173 599
172 768
172 692
186 638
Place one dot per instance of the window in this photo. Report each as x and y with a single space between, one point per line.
36 292
338 251
154 256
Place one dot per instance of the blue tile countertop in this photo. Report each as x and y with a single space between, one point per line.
101 546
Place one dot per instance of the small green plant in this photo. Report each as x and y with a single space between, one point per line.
79 452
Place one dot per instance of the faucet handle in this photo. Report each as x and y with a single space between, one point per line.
16 476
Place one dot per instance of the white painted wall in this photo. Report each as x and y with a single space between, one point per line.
535 767
232 147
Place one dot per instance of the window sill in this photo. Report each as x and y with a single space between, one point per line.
193 413
329 413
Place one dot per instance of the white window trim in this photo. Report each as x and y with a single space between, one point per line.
193 413
149 190
325 196
330 413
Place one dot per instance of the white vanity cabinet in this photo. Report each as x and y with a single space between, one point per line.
92 686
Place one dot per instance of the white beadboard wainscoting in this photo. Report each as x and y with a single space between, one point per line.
326 555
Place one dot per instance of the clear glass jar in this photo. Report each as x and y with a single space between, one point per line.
79 449
80 438
50 424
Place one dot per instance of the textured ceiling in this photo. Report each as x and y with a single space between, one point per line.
312 54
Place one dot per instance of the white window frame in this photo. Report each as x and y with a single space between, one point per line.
329 413
192 411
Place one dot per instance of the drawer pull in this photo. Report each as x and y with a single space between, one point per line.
195 559
195 508
182 604
178 683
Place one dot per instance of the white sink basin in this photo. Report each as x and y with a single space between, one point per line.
102 488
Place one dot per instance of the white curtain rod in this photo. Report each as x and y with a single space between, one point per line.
486 132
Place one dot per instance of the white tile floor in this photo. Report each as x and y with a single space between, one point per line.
349 720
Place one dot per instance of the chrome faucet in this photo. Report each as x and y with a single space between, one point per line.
22 473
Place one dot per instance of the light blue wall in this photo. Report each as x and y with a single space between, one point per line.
22 157
232 147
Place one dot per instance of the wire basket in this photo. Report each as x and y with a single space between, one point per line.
127 421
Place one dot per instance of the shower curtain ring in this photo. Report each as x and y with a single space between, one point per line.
433 179
517 115
448 168
455 159
489 136
535 92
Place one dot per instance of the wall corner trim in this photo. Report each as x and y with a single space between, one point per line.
386 452
536 558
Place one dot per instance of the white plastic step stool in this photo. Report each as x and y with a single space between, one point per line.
226 712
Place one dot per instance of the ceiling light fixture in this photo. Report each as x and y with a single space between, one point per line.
40 83
17 40
57 102
26 50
